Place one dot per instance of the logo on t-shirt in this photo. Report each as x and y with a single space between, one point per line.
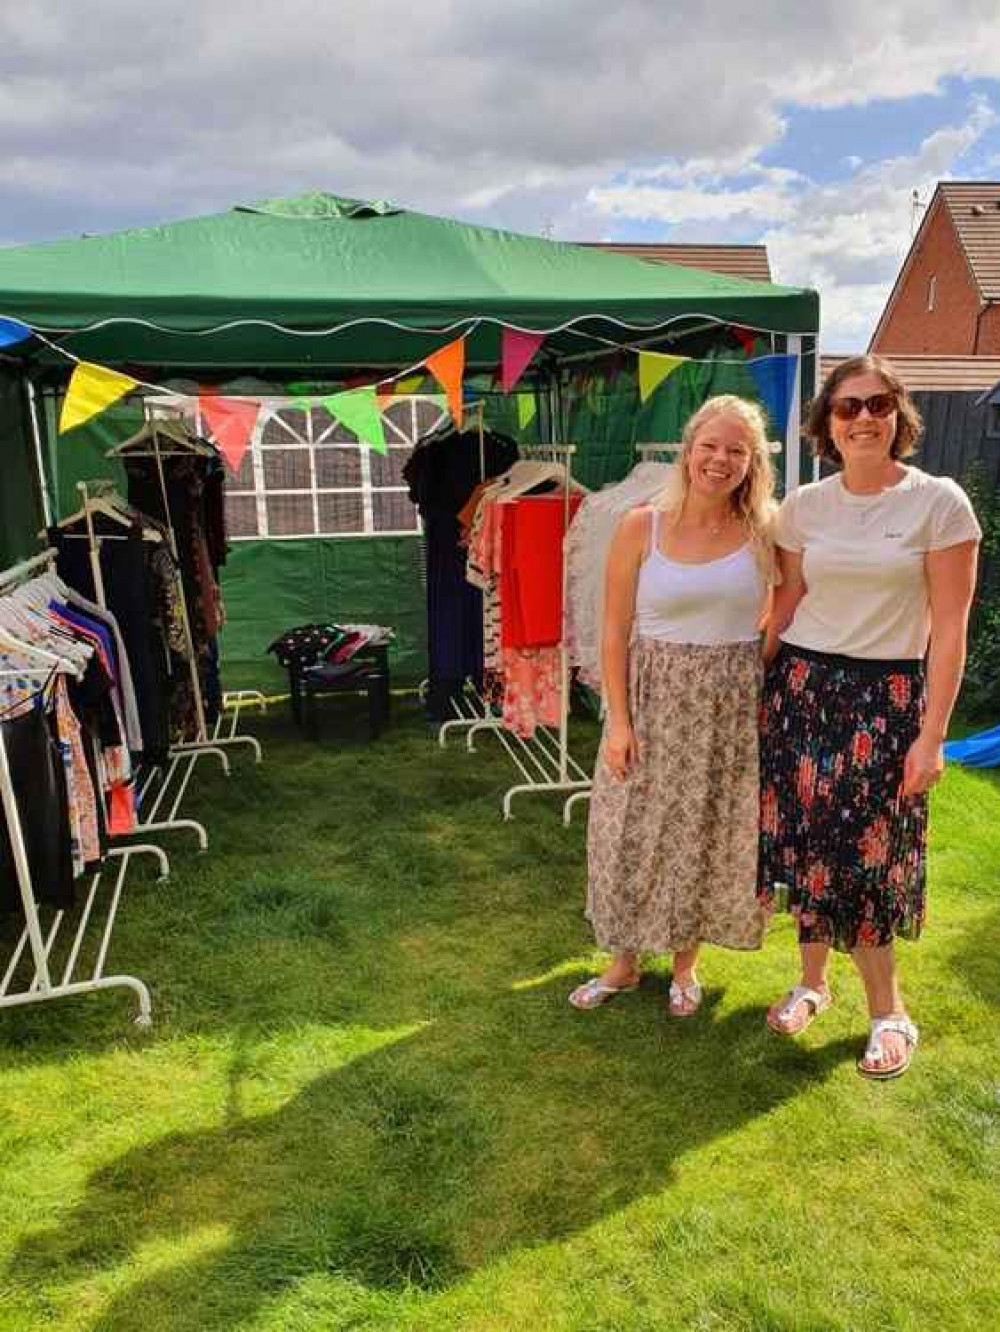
892 536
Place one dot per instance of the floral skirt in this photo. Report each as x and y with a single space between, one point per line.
841 848
672 848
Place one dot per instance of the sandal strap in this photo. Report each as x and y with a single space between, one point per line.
691 992
880 1026
803 994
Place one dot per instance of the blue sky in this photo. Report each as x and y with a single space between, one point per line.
802 127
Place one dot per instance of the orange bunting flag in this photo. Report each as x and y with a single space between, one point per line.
91 389
448 366
230 422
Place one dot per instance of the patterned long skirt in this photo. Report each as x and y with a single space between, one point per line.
841 848
672 847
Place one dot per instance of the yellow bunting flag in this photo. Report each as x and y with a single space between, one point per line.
527 409
654 367
91 389
448 367
411 384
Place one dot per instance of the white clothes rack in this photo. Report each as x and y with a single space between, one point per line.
33 973
169 423
543 760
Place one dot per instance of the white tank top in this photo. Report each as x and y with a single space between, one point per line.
717 601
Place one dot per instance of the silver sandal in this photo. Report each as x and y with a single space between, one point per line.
874 1050
684 994
594 992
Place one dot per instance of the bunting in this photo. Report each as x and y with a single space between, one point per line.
13 331
527 409
774 378
448 366
654 367
231 423
358 410
516 351
746 337
91 389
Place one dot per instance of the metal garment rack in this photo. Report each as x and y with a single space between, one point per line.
156 786
649 452
160 790
156 416
53 978
543 761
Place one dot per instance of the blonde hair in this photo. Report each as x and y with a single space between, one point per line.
753 500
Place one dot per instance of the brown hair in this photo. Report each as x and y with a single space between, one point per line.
909 424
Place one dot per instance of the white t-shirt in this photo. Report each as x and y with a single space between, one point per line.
863 561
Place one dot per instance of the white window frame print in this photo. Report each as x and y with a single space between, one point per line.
397 439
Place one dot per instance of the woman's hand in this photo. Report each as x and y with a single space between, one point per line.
620 749
923 766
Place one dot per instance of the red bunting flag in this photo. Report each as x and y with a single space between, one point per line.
516 351
448 366
231 423
746 337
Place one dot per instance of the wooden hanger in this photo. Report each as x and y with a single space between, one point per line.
147 442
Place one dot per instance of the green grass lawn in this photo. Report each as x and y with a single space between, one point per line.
365 1103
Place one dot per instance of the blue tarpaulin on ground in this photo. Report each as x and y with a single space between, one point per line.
981 750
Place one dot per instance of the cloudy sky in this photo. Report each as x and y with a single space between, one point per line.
805 126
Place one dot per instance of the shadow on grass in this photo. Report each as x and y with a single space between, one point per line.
386 896
416 1165
976 960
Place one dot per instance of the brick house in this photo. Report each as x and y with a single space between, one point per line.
946 299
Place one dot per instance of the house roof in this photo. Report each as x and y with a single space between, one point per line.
945 374
744 261
975 210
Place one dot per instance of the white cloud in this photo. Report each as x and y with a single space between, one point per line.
482 106
846 239
519 113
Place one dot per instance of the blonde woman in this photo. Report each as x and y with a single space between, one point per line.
672 840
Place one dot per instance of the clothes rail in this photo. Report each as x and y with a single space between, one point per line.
171 424
543 760
31 975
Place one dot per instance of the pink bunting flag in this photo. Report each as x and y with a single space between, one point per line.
230 423
516 351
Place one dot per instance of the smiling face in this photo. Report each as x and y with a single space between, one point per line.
866 439
719 457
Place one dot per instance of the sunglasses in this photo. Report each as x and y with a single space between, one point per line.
849 409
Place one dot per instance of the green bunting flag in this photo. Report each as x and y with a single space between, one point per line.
358 410
527 409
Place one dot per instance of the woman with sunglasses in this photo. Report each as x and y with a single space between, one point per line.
876 560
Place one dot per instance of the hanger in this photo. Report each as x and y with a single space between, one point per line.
109 503
527 473
180 439
21 616
39 654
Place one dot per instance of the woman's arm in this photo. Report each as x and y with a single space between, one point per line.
951 582
621 575
784 598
